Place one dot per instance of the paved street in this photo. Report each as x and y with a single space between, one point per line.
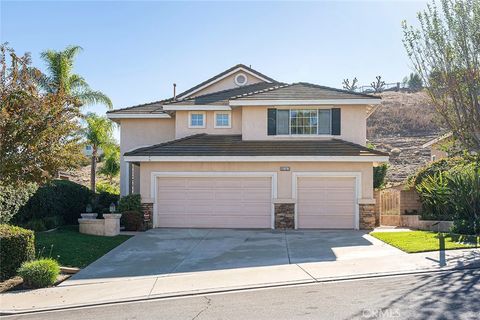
446 295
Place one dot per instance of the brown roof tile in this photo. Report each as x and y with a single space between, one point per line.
233 145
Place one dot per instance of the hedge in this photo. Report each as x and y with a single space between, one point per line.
132 202
132 220
59 198
17 246
12 198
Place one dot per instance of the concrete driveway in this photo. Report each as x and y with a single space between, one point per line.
167 251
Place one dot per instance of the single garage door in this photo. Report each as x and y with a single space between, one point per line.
326 202
214 202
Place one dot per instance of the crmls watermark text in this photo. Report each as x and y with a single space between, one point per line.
381 313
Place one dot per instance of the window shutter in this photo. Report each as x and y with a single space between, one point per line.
336 121
272 122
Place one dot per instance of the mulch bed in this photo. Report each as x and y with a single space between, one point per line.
16 283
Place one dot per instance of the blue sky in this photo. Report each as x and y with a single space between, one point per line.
134 51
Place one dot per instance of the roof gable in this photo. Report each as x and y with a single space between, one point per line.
200 88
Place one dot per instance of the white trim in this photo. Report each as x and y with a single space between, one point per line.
197 107
229 113
155 175
223 77
240 102
138 116
255 158
189 119
127 178
358 189
238 83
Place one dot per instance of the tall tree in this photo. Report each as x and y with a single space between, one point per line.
38 130
60 77
445 51
111 165
99 134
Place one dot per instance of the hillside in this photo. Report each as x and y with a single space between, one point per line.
404 114
404 121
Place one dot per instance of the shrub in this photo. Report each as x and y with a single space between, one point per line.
104 186
39 273
36 224
435 195
17 246
12 198
379 174
103 201
62 198
435 167
465 198
132 202
132 220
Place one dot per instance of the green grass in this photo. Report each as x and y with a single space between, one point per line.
73 249
421 241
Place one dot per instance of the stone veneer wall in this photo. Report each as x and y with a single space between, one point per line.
367 216
147 209
284 216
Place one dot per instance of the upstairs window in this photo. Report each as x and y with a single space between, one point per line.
223 119
303 122
196 120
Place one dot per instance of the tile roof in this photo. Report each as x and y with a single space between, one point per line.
257 91
304 91
154 107
233 145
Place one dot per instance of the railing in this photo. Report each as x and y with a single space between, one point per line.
394 86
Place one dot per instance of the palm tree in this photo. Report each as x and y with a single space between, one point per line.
98 134
60 77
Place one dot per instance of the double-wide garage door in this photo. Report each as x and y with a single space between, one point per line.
214 202
246 202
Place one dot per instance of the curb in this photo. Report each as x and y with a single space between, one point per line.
235 289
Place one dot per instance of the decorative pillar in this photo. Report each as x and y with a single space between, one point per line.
367 216
284 215
147 209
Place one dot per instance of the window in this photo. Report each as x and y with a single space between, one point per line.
303 121
222 119
241 79
88 148
196 120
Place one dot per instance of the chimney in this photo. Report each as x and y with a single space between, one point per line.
174 91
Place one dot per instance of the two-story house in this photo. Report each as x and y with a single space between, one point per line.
242 150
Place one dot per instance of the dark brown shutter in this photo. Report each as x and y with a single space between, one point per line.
336 121
272 122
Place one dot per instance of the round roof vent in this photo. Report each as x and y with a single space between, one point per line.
241 79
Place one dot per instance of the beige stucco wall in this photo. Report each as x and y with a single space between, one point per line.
136 133
227 83
182 120
284 190
353 124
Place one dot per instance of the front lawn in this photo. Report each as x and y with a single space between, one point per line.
73 249
421 241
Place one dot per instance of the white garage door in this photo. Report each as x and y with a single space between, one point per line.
326 202
214 202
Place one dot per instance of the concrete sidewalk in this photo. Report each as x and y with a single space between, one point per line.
102 291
